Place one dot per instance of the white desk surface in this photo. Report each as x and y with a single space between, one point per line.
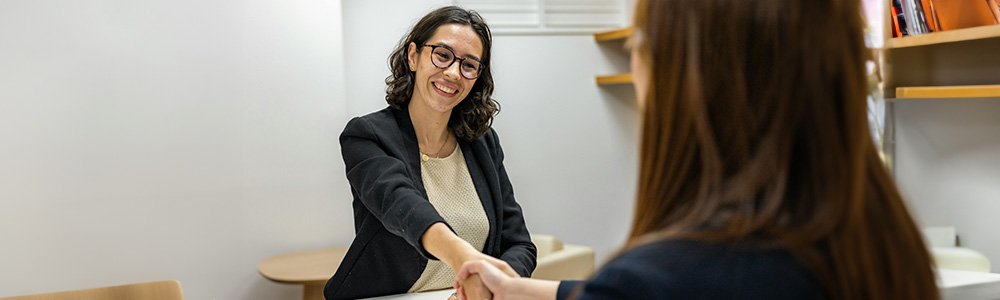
436 295
954 284
966 285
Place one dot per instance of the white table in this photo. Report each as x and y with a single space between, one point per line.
436 295
954 285
967 285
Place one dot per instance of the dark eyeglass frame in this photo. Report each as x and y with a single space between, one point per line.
454 58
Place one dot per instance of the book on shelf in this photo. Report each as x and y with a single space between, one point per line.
994 9
898 20
916 22
914 17
958 14
931 15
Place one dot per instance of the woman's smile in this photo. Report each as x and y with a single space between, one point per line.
445 89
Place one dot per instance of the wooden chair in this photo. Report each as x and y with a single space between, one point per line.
159 290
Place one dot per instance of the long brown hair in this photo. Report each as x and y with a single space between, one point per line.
755 126
472 117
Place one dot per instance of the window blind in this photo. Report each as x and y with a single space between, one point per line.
508 17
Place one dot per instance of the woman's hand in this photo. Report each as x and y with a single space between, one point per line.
456 252
494 278
502 284
471 286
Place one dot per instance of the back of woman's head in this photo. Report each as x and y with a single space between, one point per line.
755 127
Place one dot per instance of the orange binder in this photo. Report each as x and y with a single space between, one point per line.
930 15
995 9
958 14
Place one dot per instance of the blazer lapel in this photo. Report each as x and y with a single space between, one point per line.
411 150
477 158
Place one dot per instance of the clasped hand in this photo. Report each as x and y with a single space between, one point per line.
483 279
478 279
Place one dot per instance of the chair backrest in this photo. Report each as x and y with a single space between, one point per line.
159 290
940 236
546 244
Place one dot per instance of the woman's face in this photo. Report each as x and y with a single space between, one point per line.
442 89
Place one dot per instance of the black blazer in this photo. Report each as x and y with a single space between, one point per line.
391 211
698 270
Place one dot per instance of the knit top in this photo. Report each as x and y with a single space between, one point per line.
451 191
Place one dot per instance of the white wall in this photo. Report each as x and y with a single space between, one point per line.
152 140
948 167
571 147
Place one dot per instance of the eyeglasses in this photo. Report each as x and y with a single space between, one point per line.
442 57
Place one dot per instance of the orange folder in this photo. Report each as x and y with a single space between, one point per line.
958 14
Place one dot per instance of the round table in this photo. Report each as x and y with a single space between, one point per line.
310 268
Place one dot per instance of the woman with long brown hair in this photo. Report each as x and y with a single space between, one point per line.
758 177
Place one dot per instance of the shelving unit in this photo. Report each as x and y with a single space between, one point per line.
946 65
939 138
950 36
949 64
614 35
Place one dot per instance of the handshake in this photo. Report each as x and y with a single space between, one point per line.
483 279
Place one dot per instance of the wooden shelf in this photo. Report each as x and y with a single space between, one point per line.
613 35
958 35
615 79
964 91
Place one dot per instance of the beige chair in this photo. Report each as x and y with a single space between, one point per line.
159 290
943 242
557 261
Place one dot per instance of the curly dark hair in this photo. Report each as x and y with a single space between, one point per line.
472 117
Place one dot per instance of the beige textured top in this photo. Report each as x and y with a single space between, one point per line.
450 189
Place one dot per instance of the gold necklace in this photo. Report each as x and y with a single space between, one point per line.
426 157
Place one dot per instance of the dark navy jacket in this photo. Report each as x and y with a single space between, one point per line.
698 270
391 211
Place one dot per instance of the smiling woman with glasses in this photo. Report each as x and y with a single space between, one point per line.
427 174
